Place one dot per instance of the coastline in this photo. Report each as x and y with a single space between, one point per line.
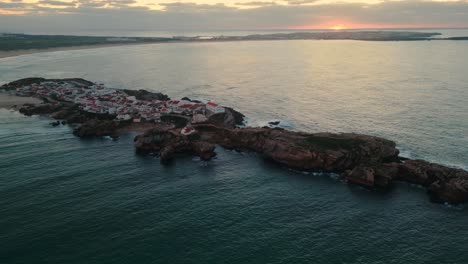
15 53
41 45
10 101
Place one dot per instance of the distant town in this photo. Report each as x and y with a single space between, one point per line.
99 99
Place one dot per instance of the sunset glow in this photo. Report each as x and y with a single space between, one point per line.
215 15
338 27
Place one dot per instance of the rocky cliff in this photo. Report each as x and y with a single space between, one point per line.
364 160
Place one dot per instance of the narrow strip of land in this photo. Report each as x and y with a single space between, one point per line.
11 101
20 44
14 53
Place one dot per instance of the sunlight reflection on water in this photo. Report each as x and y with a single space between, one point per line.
412 92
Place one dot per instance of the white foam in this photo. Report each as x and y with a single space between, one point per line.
405 153
252 122
457 207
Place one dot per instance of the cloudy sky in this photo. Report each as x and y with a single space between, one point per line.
215 15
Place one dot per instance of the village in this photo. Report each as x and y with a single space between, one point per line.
99 99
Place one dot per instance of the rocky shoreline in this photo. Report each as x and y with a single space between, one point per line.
367 161
363 160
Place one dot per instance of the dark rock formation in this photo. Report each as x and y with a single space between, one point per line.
55 124
61 114
179 121
443 184
274 123
96 128
146 95
41 109
191 100
368 161
378 176
324 152
204 150
69 113
229 119
237 116
170 142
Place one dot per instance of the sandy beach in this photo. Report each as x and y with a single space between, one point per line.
13 53
10 101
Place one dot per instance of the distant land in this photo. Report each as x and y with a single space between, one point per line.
12 44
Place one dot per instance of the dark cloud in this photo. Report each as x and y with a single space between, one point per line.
196 8
57 3
89 4
9 5
300 2
256 3
201 17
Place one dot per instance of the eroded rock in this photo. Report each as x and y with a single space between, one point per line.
96 128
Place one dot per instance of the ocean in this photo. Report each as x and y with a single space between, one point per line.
67 200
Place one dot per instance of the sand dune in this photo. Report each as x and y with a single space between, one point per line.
10 101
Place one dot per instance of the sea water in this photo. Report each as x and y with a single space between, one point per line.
67 200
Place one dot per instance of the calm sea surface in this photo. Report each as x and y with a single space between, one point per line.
66 200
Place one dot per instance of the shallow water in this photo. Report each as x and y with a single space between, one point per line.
65 200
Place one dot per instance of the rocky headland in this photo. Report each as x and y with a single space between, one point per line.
89 112
368 161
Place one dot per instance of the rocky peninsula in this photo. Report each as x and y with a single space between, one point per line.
172 127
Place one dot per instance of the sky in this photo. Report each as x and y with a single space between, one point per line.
31 16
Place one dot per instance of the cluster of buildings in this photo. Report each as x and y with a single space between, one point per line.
101 100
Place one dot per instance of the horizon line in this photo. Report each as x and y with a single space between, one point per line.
247 30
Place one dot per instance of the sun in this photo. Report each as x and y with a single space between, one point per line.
338 27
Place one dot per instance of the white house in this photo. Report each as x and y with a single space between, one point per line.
215 108
199 118
124 117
